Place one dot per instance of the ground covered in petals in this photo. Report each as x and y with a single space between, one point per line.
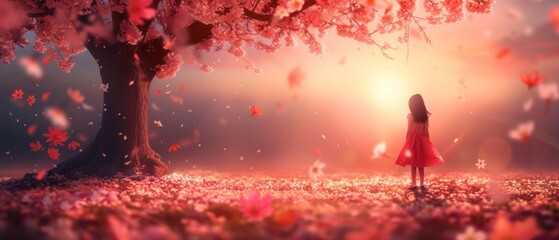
210 205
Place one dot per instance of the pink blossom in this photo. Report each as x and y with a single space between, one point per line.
315 171
75 95
139 10
549 91
522 132
65 64
294 5
129 33
171 66
281 13
256 208
481 164
31 66
10 16
379 150
57 117
296 75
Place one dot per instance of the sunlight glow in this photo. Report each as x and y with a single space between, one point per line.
388 91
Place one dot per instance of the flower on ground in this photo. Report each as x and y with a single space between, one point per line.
255 207
315 171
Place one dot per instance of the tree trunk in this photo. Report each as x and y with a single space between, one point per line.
121 146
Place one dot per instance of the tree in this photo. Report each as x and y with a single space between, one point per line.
136 40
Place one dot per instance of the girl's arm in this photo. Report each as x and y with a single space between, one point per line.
410 120
427 129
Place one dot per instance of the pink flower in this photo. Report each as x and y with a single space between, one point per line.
294 5
256 208
548 92
129 33
315 171
158 123
295 77
57 117
171 66
75 95
281 13
31 66
522 132
379 150
481 164
139 10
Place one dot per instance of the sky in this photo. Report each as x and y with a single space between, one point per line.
351 98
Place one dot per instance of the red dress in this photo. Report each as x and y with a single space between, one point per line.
418 151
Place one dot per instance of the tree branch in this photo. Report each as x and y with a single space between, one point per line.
269 17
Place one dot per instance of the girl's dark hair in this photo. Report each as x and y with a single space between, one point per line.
418 109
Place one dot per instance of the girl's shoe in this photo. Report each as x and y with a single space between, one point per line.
423 188
412 188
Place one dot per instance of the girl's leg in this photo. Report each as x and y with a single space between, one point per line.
413 175
421 176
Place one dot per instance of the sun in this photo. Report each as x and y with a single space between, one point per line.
388 90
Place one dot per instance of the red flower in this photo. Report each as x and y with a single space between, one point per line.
75 95
17 94
31 100
31 129
73 145
47 59
35 146
45 96
41 175
532 80
255 111
56 136
53 153
174 147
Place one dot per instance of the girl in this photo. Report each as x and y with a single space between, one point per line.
418 151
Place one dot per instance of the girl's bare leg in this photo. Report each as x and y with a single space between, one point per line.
413 176
421 176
